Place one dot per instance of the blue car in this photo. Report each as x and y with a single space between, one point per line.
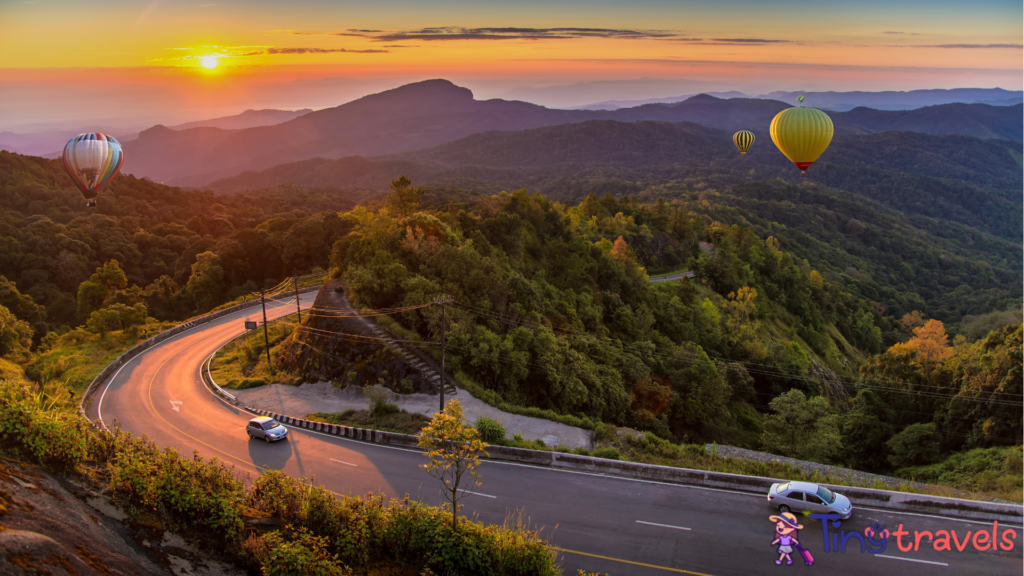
806 496
266 428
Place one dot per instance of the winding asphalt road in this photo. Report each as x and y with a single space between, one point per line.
602 523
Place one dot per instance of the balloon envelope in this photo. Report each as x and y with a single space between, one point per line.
743 140
92 160
802 134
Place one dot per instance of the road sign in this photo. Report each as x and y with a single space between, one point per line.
250 325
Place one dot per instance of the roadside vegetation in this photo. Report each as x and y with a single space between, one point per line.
242 363
208 503
398 420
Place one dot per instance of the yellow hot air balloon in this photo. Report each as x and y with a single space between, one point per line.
743 140
802 134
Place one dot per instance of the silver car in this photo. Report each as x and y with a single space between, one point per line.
266 428
805 496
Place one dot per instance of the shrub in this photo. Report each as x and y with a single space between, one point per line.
190 494
608 453
251 383
490 430
385 409
306 555
377 397
581 451
56 440
915 445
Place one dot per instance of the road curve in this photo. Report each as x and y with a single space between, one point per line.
605 524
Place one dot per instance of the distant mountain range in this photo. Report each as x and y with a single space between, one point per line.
844 101
890 100
616 104
432 112
969 180
247 119
49 143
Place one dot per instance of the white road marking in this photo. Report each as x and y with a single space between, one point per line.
912 560
343 462
176 405
662 525
479 494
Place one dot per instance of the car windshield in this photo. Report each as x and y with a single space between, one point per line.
826 494
782 488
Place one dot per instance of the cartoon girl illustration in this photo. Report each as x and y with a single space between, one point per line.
786 528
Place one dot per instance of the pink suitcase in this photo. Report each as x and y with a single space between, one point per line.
808 559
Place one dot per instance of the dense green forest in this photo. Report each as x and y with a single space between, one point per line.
555 311
177 252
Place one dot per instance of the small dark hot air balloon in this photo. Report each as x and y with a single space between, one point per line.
743 139
92 160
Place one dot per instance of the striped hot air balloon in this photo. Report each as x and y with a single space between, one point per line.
743 139
802 134
92 160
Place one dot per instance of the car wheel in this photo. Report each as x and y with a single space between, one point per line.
783 509
267 438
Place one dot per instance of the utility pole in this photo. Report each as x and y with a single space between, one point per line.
442 302
266 336
298 310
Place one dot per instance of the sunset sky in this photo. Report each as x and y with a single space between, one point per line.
143 62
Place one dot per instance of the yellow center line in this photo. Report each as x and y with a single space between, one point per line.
656 567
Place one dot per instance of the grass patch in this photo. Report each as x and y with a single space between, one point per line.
401 421
995 472
79 356
242 363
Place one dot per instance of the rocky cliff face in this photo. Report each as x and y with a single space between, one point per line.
51 525
334 345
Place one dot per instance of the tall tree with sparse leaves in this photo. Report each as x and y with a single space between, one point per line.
454 449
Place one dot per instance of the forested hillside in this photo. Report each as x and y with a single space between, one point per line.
760 347
177 252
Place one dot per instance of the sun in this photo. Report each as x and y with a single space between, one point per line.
209 61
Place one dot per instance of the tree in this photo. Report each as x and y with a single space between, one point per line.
801 428
454 450
916 444
207 281
93 293
404 198
116 317
930 344
15 337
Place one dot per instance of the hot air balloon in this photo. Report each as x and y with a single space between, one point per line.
743 139
802 134
92 160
